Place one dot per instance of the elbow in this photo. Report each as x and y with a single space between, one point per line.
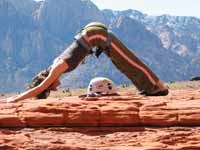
41 88
38 90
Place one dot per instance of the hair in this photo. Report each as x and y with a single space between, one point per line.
41 76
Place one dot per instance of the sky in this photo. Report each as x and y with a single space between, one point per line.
154 7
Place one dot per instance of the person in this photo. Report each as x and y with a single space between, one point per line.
94 38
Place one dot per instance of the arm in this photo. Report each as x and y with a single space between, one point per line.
57 69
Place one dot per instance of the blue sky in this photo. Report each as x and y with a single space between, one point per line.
154 7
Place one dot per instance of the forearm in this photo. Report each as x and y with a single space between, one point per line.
28 94
55 73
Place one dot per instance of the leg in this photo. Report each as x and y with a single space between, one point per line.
129 64
95 34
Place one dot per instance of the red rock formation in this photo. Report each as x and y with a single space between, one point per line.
116 123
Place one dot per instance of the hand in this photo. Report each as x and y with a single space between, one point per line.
8 100
11 100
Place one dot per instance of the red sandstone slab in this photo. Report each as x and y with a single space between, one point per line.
135 138
11 120
129 110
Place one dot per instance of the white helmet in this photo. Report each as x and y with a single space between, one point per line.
101 86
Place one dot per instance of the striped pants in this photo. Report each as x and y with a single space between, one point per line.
96 34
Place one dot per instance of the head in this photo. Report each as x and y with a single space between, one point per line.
41 76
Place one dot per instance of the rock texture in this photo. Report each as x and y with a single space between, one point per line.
124 122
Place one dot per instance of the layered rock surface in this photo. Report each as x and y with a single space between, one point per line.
118 122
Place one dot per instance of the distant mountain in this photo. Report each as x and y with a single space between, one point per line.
181 35
23 46
33 33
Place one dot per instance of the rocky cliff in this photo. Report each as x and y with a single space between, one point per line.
33 33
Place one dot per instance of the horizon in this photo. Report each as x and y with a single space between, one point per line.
153 7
